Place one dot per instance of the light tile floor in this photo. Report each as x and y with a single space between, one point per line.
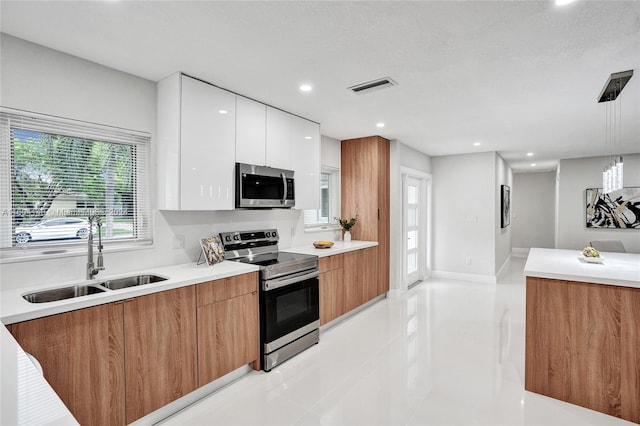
446 353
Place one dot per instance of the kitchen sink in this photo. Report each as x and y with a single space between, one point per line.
120 283
62 293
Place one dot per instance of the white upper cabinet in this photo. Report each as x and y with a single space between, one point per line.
251 119
204 130
305 161
278 147
196 145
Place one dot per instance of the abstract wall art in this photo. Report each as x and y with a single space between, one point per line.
615 210
505 206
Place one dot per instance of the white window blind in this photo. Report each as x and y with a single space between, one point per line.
56 172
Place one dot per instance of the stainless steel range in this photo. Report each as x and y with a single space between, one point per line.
289 301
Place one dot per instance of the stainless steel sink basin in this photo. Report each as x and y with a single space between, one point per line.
120 283
56 294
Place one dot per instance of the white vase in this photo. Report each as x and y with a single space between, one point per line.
347 236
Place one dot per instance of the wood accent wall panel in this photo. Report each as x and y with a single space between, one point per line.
91 386
365 192
582 345
160 349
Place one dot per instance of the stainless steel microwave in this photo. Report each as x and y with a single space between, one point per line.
264 187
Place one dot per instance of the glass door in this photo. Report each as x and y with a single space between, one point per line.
413 243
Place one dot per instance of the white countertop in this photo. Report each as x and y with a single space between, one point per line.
337 248
13 307
622 269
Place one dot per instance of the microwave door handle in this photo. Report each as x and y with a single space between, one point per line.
284 186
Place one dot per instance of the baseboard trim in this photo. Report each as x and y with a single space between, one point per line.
478 278
519 252
503 269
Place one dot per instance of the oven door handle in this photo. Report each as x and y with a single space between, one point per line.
281 282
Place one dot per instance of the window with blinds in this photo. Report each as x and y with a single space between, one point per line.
56 172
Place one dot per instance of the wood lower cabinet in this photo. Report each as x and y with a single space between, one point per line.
347 281
331 288
228 326
115 363
582 344
360 277
82 356
160 349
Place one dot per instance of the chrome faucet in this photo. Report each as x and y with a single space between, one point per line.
93 269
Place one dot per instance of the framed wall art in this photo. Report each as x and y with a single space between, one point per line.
505 206
616 210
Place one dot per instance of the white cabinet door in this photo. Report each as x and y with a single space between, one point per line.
278 138
207 147
250 131
305 161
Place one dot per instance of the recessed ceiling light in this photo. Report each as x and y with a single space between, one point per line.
563 2
307 137
529 154
476 144
222 111
533 164
305 88
380 125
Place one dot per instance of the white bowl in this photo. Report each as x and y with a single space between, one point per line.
593 259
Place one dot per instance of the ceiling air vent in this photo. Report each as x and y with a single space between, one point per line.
380 83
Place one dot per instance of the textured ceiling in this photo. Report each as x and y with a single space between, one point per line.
516 76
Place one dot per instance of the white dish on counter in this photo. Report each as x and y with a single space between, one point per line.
593 259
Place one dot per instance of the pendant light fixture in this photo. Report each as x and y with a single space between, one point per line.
613 173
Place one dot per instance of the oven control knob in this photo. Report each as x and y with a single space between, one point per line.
273 234
227 238
268 234
236 237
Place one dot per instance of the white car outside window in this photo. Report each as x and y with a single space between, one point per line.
53 229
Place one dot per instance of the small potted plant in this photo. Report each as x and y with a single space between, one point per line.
346 225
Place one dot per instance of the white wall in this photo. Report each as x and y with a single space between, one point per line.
464 215
46 81
533 210
42 80
575 176
400 155
503 236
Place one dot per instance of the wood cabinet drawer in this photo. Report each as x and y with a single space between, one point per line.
215 291
330 263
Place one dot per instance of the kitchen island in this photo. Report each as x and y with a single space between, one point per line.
583 330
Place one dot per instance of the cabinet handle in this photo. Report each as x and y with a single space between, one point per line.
201 191
210 191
